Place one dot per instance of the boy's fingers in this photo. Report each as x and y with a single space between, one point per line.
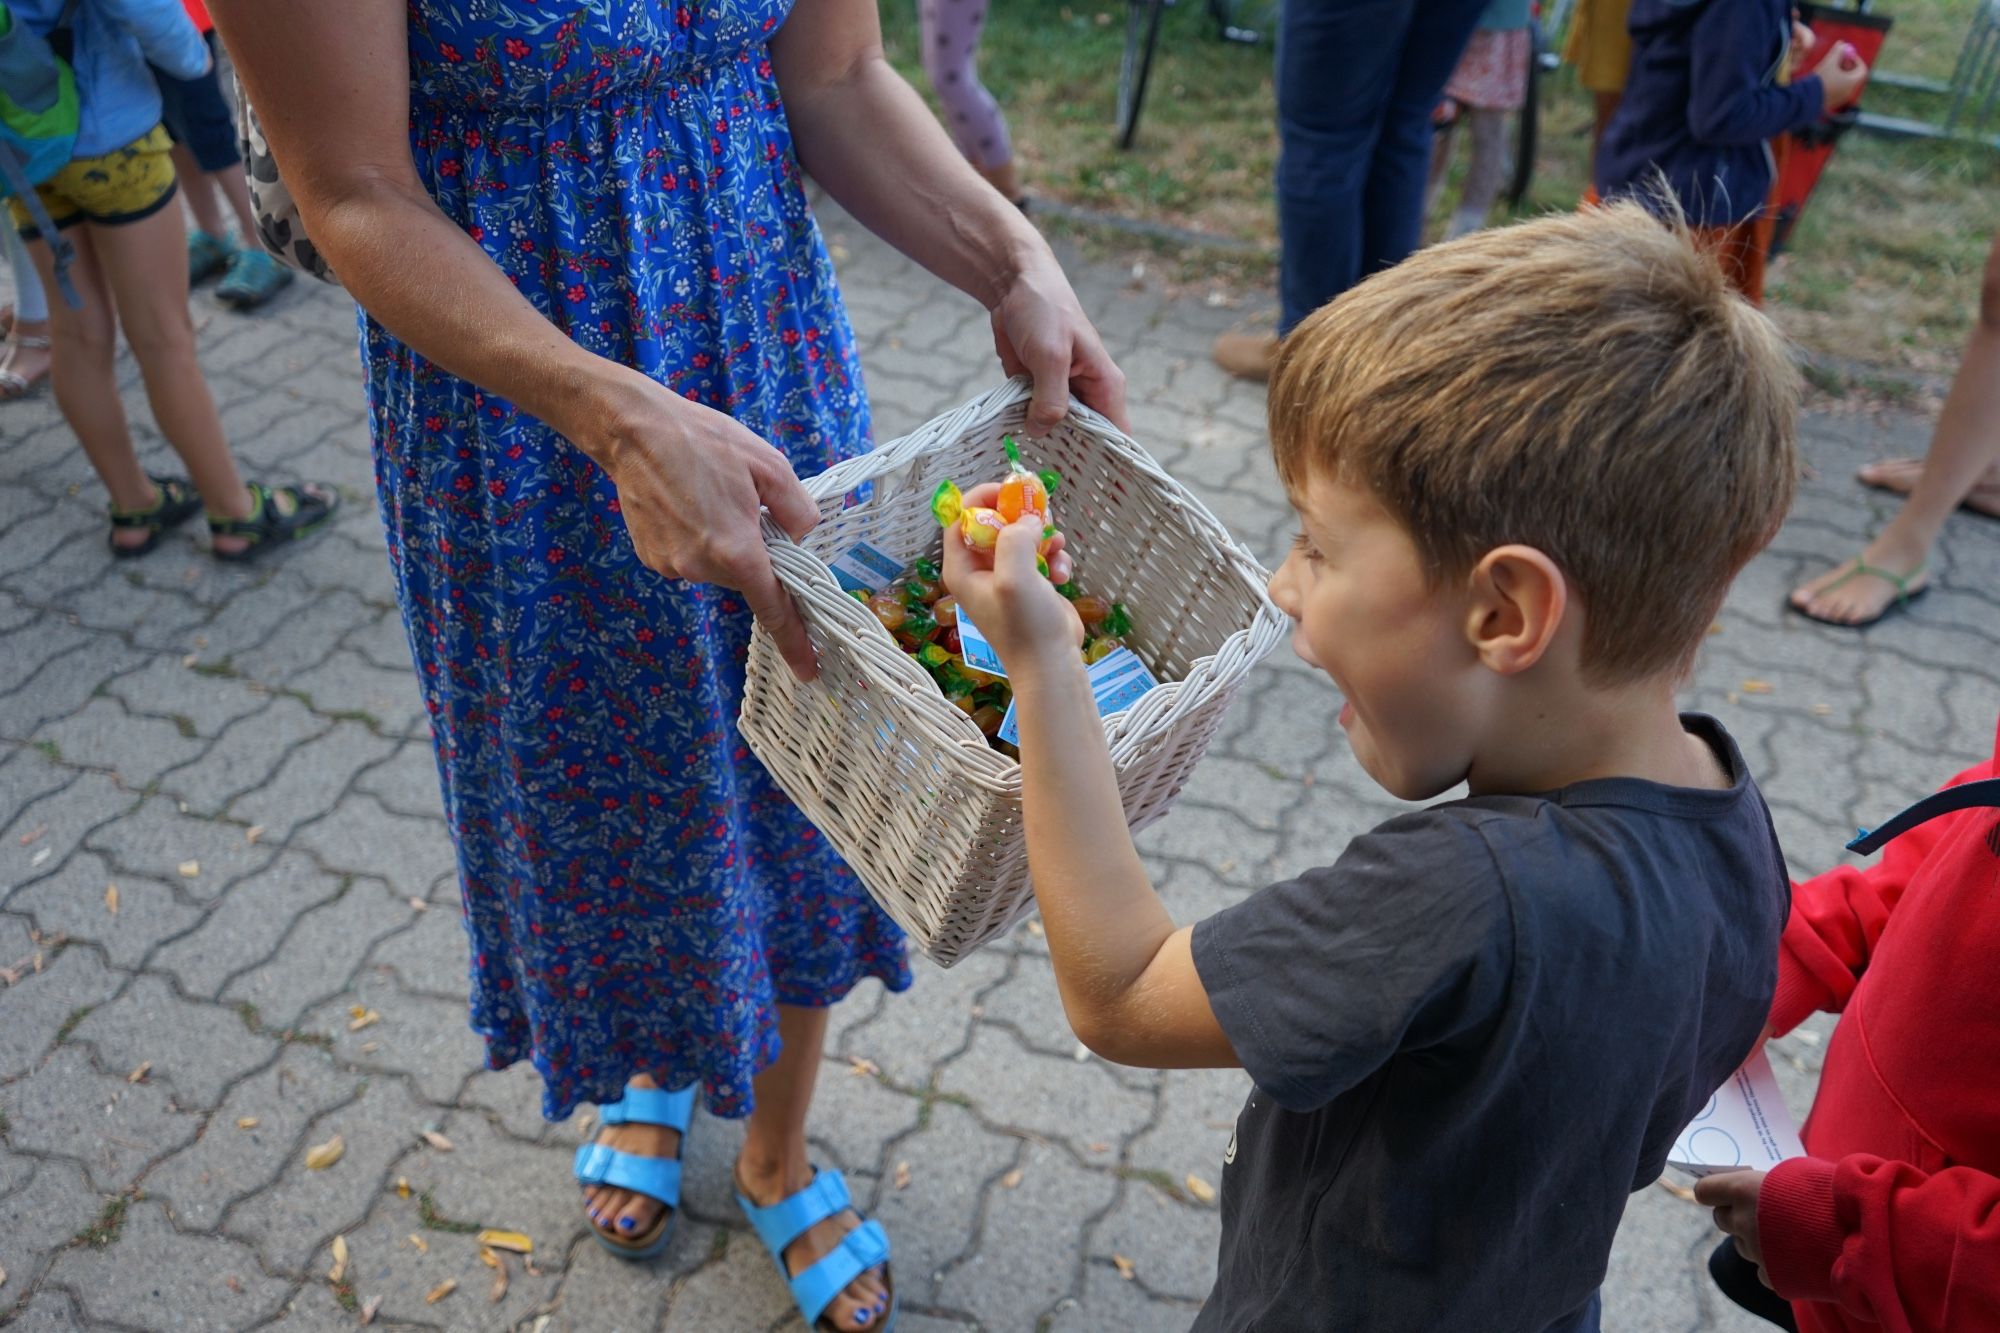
1014 554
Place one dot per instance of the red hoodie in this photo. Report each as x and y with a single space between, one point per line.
1892 1219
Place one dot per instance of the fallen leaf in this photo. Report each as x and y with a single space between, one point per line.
111 899
339 1269
1011 1179
1203 1191
541 1325
1732 697
251 834
402 1187
1125 1267
190 869
190 660
517 1241
1035 928
1806 1036
441 1290
326 1154
498 1292
366 1019
437 1140
418 904
1681 1192
487 1257
3 1277
139 1075
40 857
370 1047
1715 627
528 1263
1080 1054
863 1068
368 1310
1756 687
235 1284
33 833
246 1122
1822 710
1099 1147
423 1246
902 1175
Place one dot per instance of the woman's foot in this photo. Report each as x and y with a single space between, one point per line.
1900 476
24 358
865 1302
1863 590
619 1213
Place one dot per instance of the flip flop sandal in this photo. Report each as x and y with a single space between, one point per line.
277 516
658 1178
176 505
1905 594
865 1247
12 387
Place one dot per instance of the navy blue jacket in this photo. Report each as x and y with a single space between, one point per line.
1702 103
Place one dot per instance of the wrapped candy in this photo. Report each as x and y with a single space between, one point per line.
1022 492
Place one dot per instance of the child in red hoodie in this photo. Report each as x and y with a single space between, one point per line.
1892 1218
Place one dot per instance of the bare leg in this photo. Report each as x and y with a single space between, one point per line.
1964 447
86 385
621 1212
776 1163
145 264
199 191
235 187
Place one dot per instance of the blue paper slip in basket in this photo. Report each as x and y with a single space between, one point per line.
1117 681
974 648
866 569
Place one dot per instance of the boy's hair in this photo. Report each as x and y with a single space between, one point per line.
1586 384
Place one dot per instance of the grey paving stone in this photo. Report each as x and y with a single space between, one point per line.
165 688
114 1129
362 836
60 684
310 779
1172 1245
496 1181
291 1221
49 1311
230 1161
424 1037
195 1050
41 1003
513 1096
1028 1259
241 927
1060 1099
155 839
243 756
319 956
38 1219
600 1292
738 1288
207 1282
1221 838
43 836
854 1116
73 902
431 957
935 1220
347 685
134 750
908 1034
406 782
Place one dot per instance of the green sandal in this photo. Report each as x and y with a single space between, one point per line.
278 515
1905 594
175 505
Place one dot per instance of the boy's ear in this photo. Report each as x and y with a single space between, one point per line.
1516 601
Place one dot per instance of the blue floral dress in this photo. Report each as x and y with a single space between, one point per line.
639 894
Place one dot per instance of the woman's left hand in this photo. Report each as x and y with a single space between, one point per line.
1040 330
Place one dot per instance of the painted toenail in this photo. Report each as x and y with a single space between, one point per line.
625 1224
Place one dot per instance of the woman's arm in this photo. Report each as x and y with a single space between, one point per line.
863 133
689 479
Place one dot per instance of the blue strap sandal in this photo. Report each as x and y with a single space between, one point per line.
658 1178
865 1247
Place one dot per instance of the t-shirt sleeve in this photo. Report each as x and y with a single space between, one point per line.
1404 943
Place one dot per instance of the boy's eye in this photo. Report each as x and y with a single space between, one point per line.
1304 546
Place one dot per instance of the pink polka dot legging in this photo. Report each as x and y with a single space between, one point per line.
950 35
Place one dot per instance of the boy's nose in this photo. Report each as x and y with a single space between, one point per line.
1280 587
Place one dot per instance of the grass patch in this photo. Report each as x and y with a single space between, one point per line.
185 726
1883 269
1158 1179
248 1013
224 669
50 751
292 1036
720 1245
106 1229
76 1016
433 1220
343 1296
5 1123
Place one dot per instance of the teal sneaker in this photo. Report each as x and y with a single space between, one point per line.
253 278
207 256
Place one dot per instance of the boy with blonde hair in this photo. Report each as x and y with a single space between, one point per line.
1527 466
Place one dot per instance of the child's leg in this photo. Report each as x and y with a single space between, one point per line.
144 263
1484 174
950 34
199 191
86 342
24 356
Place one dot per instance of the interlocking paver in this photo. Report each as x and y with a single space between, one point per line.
280 696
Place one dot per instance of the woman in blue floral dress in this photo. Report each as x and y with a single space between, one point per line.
600 331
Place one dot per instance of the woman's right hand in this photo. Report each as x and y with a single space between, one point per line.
690 483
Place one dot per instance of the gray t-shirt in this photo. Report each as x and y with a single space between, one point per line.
1472 1037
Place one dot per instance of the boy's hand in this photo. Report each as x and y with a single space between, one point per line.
1842 75
1020 612
1802 45
1733 1195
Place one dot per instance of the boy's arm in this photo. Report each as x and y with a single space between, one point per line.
165 32
1885 1241
1837 917
1127 976
1731 101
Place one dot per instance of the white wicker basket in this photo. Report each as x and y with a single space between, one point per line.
900 780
